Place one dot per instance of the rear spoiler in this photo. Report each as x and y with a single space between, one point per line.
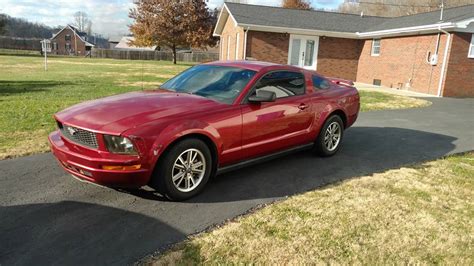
343 82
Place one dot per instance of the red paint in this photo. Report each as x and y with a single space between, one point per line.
155 119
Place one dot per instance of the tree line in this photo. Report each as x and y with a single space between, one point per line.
19 27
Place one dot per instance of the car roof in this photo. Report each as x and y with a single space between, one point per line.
253 65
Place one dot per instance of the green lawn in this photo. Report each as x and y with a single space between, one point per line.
29 96
420 214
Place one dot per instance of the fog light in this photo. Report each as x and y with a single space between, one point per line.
121 167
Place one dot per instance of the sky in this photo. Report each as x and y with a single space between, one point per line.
109 17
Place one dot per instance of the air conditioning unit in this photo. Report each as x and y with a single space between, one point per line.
434 60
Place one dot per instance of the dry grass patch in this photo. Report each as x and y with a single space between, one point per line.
414 215
371 100
144 84
23 143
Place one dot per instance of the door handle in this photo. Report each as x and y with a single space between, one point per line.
303 106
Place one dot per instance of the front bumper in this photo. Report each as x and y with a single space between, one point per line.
86 164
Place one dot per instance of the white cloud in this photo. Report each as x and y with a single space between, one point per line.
109 17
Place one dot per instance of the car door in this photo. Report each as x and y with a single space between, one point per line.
271 126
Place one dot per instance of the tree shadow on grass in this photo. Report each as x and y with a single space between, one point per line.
26 86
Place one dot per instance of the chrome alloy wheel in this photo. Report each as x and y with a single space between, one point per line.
189 170
332 136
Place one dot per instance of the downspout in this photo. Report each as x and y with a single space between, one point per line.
245 43
445 59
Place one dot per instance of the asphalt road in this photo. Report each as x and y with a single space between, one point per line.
47 217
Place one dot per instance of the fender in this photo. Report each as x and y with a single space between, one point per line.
179 129
328 109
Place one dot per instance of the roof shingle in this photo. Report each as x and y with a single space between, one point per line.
338 22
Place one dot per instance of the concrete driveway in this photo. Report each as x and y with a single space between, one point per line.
47 217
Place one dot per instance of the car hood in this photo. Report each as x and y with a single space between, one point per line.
115 114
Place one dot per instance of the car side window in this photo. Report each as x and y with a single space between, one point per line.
282 83
321 83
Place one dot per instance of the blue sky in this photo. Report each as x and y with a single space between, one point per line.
110 17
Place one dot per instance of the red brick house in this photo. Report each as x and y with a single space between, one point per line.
70 41
418 52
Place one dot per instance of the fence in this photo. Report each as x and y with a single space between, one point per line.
7 42
154 55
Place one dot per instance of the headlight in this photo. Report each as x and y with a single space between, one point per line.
116 144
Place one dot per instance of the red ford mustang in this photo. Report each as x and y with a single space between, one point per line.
208 119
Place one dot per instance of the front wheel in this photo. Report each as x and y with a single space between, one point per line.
330 136
184 170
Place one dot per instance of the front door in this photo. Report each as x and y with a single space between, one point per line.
303 51
272 126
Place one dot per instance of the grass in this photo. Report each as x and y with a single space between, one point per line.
29 96
423 214
372 100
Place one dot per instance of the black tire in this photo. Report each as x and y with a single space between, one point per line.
320 147
162 181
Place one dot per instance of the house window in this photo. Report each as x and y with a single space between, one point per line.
55 46
67 46
237 46
375 47
471 48
67 37
228 47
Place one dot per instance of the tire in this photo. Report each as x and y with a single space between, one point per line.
321 146
189 178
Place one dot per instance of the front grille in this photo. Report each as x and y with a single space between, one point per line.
79 136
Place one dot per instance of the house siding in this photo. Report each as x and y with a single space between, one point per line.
78 47
402 63
230 32
338 57
460 71
268 46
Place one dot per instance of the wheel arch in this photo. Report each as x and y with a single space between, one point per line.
341 114
196 135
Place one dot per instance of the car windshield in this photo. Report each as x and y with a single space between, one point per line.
219 83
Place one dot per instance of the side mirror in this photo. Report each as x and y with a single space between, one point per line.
263 96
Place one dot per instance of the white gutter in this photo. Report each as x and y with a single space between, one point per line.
245 43
445 59
407 30
300 31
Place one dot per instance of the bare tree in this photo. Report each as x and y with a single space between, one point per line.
3 22
88 29
395 8
82 21
296 4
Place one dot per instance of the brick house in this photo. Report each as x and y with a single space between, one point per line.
418 52
70 41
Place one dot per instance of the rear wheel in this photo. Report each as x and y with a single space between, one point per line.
184 170
330 136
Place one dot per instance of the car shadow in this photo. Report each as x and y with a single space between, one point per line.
77 233
364 151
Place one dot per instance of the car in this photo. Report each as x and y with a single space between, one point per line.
209 119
